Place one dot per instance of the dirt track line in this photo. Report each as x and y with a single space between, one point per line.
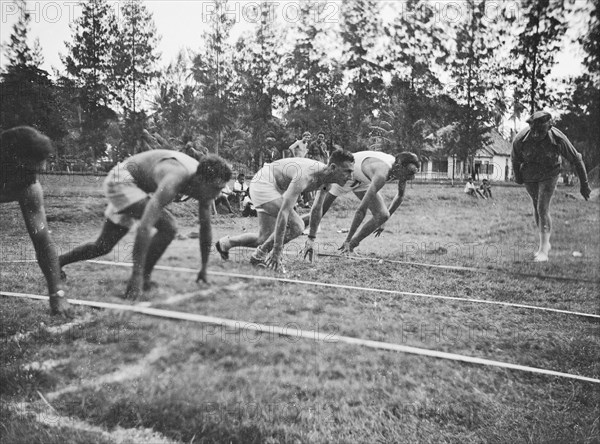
45 414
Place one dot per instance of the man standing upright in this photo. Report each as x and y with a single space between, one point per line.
536 163
317 150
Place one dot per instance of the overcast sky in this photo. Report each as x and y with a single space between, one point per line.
181 23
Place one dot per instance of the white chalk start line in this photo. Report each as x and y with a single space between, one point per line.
351 287
307 334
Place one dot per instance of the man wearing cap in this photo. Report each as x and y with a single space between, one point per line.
372 170
536 163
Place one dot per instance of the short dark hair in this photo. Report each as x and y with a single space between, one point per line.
26 144
341 156
212 168
406 158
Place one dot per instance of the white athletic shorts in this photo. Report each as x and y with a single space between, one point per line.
121 191
263 188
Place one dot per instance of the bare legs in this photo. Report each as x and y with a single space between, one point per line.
112 233
31 202
541 195
167 230
265 237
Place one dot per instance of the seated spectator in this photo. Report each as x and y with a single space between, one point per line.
249 210
223 199
471 189
486 189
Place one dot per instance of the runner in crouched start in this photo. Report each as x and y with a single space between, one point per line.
140 188
23 150
372 170
274 191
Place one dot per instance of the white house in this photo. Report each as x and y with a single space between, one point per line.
491 162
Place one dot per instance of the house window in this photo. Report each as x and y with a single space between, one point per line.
487 168
440 166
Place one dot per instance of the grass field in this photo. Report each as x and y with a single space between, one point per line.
120 377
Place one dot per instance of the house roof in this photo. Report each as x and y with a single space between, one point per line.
498 145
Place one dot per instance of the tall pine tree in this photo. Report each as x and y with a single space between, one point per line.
415 45
212 70
473 79
361 28
174 103
134 54
28 95
18 52
580 122
89 63
542 27
134 57
311 79
258 85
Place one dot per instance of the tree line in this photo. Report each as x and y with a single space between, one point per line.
396 76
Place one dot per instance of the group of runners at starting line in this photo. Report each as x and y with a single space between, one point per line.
140 188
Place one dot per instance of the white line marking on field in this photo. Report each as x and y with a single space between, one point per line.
191 295
351 287
125 373
310 334
44 366
55 330
22 261
44 413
